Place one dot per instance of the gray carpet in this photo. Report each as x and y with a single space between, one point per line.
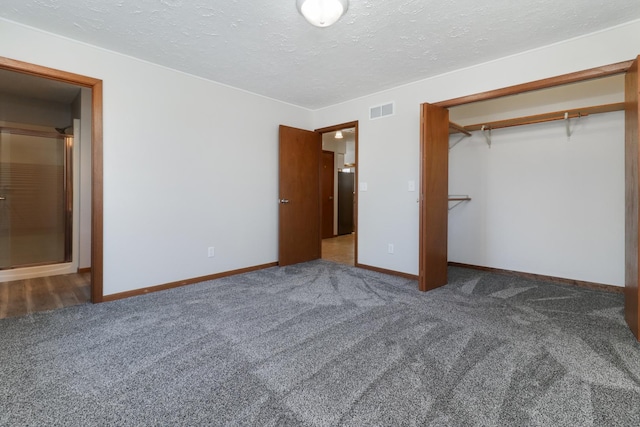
322 344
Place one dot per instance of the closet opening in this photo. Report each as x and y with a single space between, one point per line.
440 120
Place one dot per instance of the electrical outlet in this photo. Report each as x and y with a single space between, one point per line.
390 248
211 252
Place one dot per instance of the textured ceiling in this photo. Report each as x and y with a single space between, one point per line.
266 47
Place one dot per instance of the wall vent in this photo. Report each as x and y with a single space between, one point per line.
380 111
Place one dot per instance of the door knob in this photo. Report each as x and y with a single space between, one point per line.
284 201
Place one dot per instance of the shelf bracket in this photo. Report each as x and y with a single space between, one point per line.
487 134
458 141
456 200
458 128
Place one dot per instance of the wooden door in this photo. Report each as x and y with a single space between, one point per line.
434 183
632 158
328 170
346 187
299 176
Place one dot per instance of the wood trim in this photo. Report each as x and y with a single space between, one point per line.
632 199
338 127
48 73
171 285
385 271
532 276
97 221
96 157
84 270
592 73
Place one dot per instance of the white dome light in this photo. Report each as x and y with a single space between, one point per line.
322 13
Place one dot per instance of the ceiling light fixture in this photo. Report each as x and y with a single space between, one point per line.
339 135
322 13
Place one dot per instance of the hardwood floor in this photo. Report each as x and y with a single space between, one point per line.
339 249
21 297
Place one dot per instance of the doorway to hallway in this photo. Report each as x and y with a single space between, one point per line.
301 191
339 198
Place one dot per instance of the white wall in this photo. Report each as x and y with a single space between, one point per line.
389 158
176 154
170 190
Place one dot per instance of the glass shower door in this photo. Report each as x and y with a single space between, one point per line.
5 218
34 198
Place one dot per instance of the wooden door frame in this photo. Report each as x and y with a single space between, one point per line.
335 128
561 80
632 185
97 292
564 79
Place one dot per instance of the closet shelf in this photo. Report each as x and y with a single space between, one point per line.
540 118
456 128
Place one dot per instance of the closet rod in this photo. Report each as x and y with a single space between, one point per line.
547 117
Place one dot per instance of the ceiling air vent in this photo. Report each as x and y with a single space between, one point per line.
380 111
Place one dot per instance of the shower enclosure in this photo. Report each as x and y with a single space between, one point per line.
36 200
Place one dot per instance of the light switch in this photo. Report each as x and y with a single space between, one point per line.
411 186
363 186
